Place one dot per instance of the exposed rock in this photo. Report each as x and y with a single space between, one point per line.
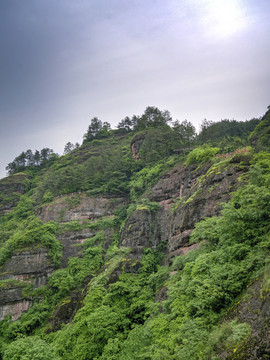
254 310
197 193
144 229
80 207
33 266
15 309
186 195
72 241
136 144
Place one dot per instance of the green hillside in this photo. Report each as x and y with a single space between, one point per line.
148 241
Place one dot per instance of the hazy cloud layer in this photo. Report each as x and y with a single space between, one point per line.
63 62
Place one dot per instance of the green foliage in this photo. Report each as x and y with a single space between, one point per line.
201 154
24 208
135 308
259 138
260 169
106 169
148 176
102 223
28 159
47 197
152 117
226 134
74 225
10 283
97 130
32 232
185 133
146 204
227 336
30 348
158 144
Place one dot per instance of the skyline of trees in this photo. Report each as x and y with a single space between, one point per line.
183 134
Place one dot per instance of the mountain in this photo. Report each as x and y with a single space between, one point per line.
145 242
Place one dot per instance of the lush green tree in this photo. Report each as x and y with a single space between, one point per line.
185 132
29 158
37 158
68 147
201 154
93 129
125 125
260 137
158 144
45 154
227 134
30 348
97 130
152 117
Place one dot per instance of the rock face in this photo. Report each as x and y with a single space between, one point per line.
136 144
144 229
186 196
34 265
80 207
253 309
29 266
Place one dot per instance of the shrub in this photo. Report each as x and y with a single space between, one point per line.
30 348
201 154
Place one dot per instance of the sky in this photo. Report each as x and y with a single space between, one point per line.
63 62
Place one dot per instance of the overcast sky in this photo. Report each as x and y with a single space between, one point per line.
62 62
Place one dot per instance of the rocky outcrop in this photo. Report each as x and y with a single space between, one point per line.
136 144
145 229
254 310
31 266
186 196
194 194
79 207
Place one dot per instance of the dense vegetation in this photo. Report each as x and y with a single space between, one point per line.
123 319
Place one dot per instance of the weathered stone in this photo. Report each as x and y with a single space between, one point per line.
33 266
254 310
144 229
89 208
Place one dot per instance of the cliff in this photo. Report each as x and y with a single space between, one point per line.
159 260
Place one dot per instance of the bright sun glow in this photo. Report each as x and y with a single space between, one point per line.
223 17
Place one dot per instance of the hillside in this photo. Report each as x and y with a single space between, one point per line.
145 242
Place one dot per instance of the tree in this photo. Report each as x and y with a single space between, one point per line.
30 348
152 117
37 158
45 154
29 158
185 132
68 147
125 125
105 130
93 129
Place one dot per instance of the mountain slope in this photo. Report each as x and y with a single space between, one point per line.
119 250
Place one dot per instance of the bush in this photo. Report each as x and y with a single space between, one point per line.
201 154
30 348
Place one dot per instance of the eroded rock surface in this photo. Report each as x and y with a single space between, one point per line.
254 310
31 266
186 196
80 207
